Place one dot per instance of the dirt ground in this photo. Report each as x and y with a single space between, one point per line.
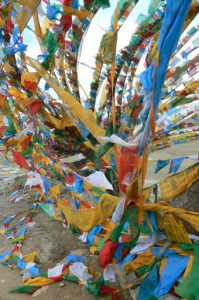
52 243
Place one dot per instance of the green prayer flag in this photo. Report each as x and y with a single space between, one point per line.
50 41
130 216
24 289
189 287
185 247
94 288
102 3
71 278
29 150
103 150
101 244
48 209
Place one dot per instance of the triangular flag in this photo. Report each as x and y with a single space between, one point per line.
20 160
161 164
189 287
35 106
175 164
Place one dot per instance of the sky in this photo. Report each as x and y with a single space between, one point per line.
100 24
91 41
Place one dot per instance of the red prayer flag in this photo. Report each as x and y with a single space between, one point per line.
35 106
126 166
106 253
2 129
20 160
29 85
